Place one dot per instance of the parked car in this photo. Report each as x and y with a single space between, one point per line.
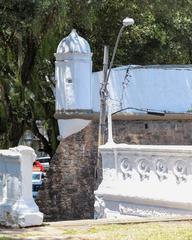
44 161
37 181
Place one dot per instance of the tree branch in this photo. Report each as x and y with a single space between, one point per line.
46 146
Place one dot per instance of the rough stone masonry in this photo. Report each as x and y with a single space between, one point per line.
69 186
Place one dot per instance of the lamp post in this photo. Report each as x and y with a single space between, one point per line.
106 73
103 91
126 22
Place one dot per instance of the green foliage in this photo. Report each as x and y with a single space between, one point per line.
5 238
161 33
25 94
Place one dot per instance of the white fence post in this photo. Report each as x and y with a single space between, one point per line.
17 207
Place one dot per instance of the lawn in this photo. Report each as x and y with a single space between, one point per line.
131 231
146 231
5 238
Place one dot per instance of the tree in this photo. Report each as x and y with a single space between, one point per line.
26 96
161 33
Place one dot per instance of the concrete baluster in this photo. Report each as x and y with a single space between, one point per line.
17 207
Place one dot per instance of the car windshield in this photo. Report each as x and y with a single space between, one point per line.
36 176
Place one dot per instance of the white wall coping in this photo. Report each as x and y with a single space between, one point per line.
156 148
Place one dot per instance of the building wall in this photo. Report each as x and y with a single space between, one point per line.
69 186
176 132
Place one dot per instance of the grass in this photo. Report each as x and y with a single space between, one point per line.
147 231
5 238
132 231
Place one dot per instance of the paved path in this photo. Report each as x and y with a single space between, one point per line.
62 229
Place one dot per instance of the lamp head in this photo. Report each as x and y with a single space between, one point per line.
128 21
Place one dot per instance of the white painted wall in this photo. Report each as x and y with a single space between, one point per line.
163 88
17 206
70 126
73 70
154 87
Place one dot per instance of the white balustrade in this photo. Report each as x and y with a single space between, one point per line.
146 180
17 207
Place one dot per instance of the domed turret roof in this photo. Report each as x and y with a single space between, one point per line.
73 44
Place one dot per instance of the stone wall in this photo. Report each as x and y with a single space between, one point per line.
69 186
175 132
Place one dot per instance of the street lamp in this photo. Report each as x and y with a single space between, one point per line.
103 91
106 73
126 22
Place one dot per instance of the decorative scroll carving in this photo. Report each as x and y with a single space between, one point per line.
180 171
156 177
143 168
126 167
161 169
